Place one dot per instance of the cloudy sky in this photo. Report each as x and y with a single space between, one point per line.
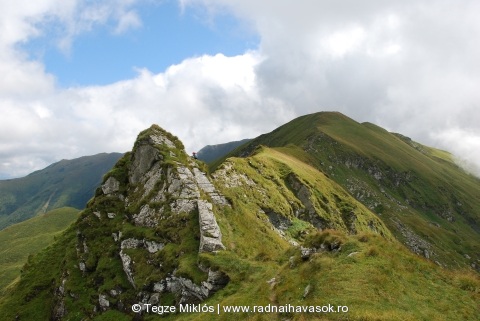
83 77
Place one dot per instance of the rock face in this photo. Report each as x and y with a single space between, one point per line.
210 234
143 159
148 208
111 186
189 292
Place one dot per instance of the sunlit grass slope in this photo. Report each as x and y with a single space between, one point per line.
375 278
21 240
418 191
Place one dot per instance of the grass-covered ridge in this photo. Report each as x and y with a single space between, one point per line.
278 185
429 202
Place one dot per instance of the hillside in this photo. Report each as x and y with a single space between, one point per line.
210 153
425 199
65 183
22 240
268 229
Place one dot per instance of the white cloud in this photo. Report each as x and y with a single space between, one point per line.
410 66
128 20
208 99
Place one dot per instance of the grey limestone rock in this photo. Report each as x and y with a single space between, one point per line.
111 186
103 302
143 159
59 310
147 217
188 292
127 268
153 247
151 178
131 243
205 185
307 252
160 139
210 234
307 290
183 206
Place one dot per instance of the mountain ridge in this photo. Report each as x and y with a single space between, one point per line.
210 153
64 183
274 227
388 175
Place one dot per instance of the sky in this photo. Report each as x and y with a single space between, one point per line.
85 77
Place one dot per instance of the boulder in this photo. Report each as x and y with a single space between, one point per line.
110 186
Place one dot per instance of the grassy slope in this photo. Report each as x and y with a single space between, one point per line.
65 183
21 240
419 186
381 281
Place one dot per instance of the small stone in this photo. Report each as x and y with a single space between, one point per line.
103 302
306 252
153 247
307 291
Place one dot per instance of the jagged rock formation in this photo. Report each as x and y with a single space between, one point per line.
149 202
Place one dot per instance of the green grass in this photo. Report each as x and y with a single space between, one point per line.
22 240
382 281
417 185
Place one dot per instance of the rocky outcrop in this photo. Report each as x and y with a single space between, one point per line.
414 242
279 221
210 234
142 160
131 243
111 186
188 292
232 178
59 310
103 302
145 203
309 213
204 183
167 190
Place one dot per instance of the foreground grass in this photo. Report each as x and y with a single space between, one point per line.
21 240
381 280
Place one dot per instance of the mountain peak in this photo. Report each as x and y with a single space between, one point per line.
154 211
156 135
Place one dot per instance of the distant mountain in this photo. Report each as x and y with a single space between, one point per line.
65 183
321 213
19 241
210 153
